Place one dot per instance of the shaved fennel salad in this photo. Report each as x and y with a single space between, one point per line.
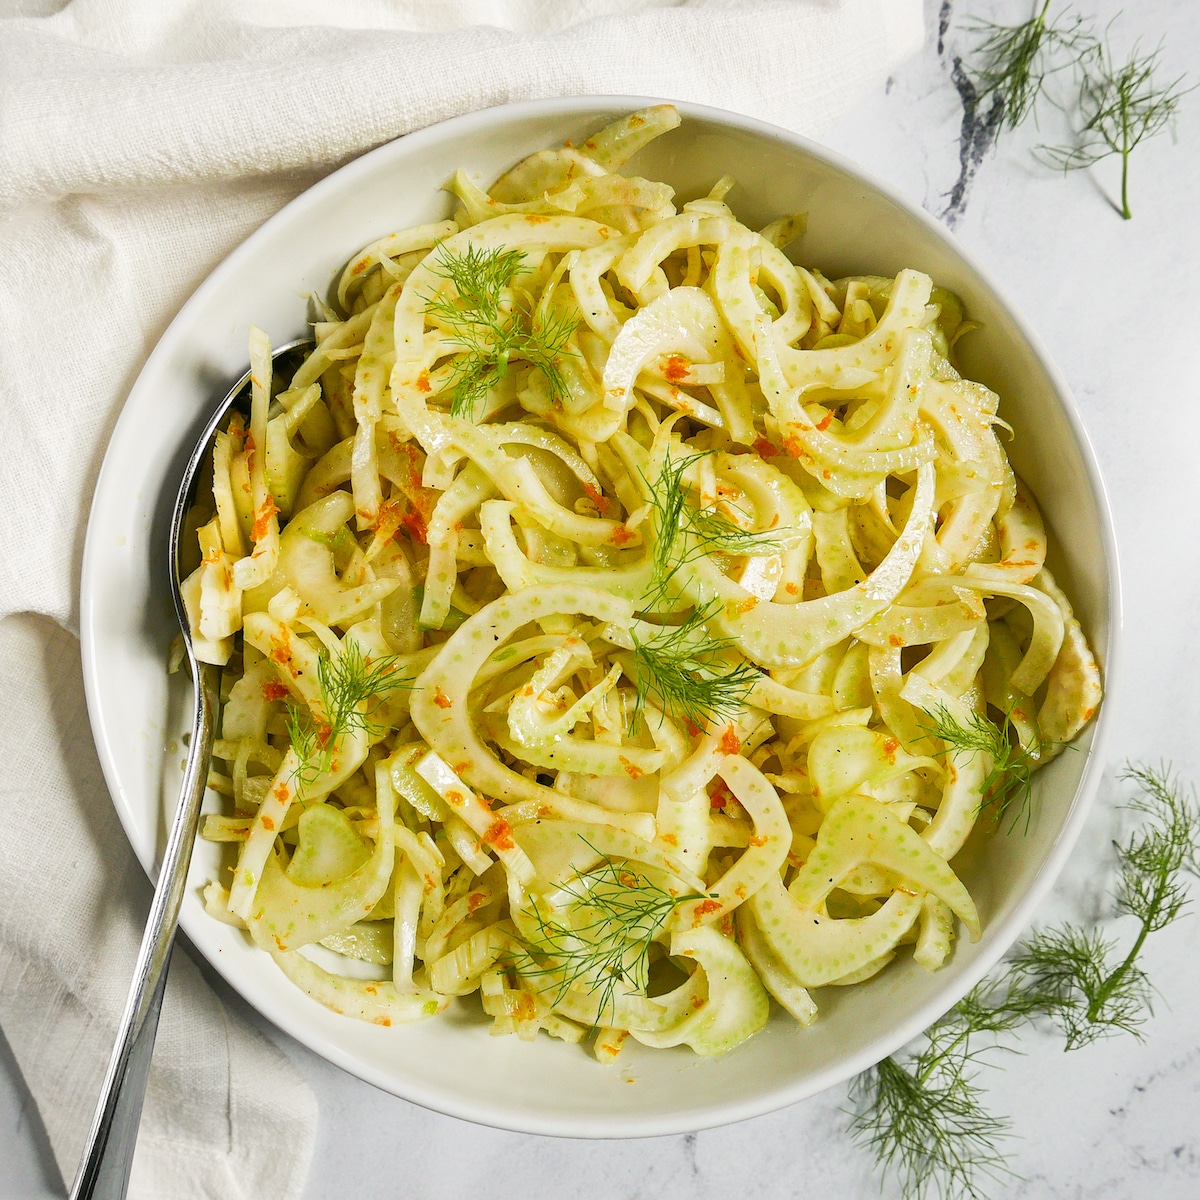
618 620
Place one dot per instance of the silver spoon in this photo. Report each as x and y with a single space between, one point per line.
108 1154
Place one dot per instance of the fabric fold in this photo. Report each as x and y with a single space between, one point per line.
69 932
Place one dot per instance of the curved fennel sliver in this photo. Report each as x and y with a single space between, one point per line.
854 462
816 949
684 321
513 477
963 792
735 277
370 382
1048 626
607 150
639 265
852 366
858 831
378 1001
577 755
439 707
791 635
345 758
735 1007
763 857
305 564
1073 688
776 978
420 237
683 804
585 273
519 571
819 950
286 915
1022 534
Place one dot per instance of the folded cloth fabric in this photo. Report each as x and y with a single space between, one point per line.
140 141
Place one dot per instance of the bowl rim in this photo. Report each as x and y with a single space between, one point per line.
1001 937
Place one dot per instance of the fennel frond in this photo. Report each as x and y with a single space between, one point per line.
690 674
1121 105
493 325
1008 782
1013 62
923 1115
352 687
600 939
682 531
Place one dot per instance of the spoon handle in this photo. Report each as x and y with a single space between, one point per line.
108 1154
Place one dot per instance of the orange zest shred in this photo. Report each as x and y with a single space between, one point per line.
262 518
676 368
499 835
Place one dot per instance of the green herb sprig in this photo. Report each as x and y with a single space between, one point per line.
1013 62
685 667
1118 103
926 1121
602 938
1075 975
688 672
1008 785
493 325
682 531
1122 104
352 687
923 1115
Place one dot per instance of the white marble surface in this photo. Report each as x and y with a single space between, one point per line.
1112 302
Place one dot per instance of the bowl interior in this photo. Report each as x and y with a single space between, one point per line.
453 1064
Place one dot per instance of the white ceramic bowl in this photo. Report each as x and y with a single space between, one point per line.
452 1064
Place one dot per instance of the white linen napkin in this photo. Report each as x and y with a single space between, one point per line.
140 141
